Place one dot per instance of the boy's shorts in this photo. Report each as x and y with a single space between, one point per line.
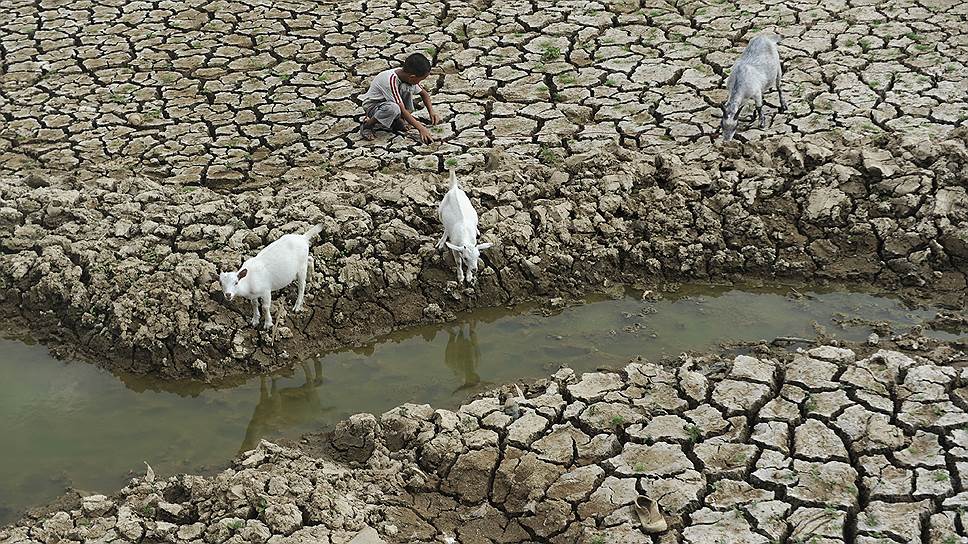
387 112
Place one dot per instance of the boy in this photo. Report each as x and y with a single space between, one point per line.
389 101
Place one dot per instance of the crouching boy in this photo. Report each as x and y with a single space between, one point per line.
389 101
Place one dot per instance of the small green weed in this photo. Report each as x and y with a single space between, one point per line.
550 53
693 431
548 156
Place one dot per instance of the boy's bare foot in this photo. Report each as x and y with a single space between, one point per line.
366 130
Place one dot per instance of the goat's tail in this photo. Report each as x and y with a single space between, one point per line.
311 233
453 177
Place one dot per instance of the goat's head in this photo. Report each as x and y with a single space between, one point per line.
470 255
230 282
730 121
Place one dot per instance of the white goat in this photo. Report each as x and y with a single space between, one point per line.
272 269
756 71
460 229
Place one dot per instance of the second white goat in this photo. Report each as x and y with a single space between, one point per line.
756 71
273 268
460 229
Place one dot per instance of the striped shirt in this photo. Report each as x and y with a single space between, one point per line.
387 87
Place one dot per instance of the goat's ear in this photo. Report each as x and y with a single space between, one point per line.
484 245
452 246
242 273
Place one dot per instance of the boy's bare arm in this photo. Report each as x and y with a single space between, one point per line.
434 118
425 135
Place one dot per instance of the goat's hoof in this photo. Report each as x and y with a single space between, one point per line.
297 309
268 326
254 322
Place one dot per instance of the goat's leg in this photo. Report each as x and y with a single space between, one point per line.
779 91
759 110
255 312
267 308
443 238
460 267
301 276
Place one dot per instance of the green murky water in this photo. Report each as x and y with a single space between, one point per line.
73 425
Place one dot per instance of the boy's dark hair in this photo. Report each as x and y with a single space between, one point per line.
417 65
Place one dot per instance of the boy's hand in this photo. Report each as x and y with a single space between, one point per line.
425 135
434 118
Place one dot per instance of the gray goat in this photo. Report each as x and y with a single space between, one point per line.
756 71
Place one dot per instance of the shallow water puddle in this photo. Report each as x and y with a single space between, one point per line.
72 424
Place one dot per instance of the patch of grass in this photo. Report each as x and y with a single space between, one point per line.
914 36
693 431
235 524
548 156
550 53
639 467
430 51
148 511
924 47
865 44
597 539
567 79
450 163
618 421
809 404
941 476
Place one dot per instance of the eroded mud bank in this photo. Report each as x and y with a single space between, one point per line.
126 269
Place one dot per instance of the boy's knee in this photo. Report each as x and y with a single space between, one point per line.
392 108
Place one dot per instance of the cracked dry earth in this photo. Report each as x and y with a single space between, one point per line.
221 93
810 447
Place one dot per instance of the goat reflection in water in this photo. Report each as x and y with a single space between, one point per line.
463 355
282 408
